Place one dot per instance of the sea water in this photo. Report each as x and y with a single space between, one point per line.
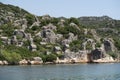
104 71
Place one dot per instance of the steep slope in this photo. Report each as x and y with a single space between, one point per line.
25 36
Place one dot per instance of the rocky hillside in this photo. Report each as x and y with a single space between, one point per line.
29 39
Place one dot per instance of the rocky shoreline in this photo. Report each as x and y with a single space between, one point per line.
40 62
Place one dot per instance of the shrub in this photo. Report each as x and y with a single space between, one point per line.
97 45
76 45
11 57
30 18
48 58
51 57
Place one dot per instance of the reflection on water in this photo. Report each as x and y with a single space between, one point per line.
106 71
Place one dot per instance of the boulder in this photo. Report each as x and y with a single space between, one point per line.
61 61
5 62
23 62
1 63
36 61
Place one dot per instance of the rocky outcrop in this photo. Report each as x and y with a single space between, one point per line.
21 33
76 57
33 47
49 34
106 59
91 41
59 37
3 62
74 25
109 45
36 61
22 23
57 50
72 37
23 62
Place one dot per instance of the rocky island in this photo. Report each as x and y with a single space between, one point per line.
29 39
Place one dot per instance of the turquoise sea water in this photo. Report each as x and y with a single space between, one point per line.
107 71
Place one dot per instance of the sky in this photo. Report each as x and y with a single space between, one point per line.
69 8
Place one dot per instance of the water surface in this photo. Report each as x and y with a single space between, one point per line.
107 71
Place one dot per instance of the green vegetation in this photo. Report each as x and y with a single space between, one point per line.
7 29
48 58
76 45
11 57
114 55
30 18
97 45
117 43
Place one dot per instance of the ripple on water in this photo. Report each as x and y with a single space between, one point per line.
61 72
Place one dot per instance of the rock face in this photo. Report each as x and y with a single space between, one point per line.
104 60
91 41
109 45
76 57
48 34
97 54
